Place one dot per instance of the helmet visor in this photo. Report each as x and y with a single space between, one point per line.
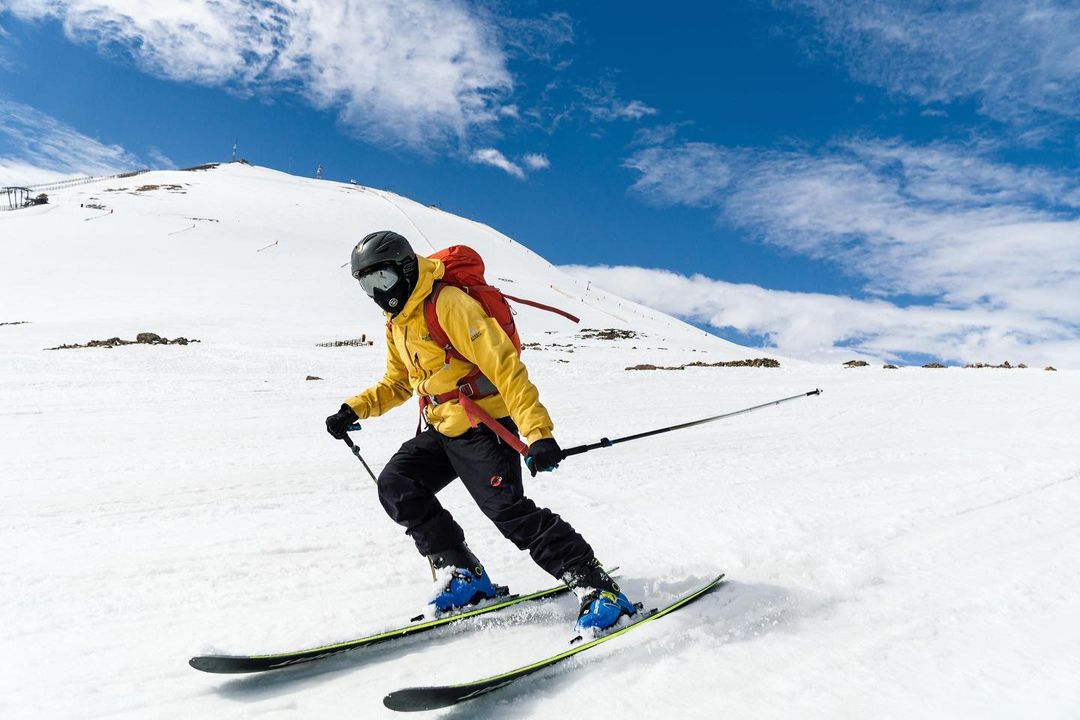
382 279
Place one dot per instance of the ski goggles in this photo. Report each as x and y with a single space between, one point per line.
381 279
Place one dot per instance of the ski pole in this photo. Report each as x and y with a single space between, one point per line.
356 452
605 442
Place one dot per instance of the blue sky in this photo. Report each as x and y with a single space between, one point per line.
825 178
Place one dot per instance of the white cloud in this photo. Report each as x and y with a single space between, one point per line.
1016 58
539 38
942 222
159 160
929 221
415 74
491 156
633 110
536 161
659 134
689 174
37 148
495 158
6 63
603 104
830 328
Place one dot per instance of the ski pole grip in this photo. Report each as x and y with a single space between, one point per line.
348 440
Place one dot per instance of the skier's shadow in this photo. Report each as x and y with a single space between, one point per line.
734 612
260 686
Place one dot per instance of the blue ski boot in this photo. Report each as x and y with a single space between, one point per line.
602 603
465 580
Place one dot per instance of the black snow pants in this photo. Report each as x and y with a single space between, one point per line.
491 472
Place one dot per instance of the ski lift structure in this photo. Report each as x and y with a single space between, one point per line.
16 197
13 198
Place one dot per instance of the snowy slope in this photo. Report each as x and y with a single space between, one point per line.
186 248
904 545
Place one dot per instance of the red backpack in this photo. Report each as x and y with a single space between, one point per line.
465 270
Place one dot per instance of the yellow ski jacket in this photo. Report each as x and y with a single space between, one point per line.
415 364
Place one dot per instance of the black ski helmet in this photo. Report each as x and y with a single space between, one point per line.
387 249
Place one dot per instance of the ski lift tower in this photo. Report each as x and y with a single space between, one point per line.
17 197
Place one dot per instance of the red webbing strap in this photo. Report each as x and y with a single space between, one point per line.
435 329
542 306
474 412
468 380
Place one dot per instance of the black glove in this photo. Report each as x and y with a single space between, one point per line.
544 456
338 423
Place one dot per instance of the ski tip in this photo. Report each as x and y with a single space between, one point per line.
418 699
203 664
222 664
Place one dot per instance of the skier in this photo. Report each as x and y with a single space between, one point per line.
401 283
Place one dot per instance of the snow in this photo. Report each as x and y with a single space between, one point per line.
904 545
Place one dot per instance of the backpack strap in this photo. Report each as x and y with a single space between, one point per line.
542 306
439 336
435 328
476 414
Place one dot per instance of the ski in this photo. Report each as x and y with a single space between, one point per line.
432 698
261 663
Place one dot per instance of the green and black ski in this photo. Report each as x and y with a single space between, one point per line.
260 663
432 698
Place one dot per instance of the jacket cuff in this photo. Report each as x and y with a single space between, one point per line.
359 407
538 434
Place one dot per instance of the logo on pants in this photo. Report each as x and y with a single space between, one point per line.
496 480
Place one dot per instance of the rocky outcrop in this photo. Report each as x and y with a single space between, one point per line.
143 338
608 334
754 362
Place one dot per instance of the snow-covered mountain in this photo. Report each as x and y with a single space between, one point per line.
904 545
240 253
